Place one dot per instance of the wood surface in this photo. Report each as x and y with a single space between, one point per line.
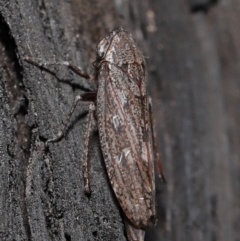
192 49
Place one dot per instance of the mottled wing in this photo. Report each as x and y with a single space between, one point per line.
126 142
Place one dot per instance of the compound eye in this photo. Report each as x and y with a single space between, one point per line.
100 54
102 48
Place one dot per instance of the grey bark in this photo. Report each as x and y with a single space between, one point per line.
192 49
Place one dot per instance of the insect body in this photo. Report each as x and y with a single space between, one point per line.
125 128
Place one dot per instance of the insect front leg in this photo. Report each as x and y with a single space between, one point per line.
72 67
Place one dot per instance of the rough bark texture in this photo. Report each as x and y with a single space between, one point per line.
193 51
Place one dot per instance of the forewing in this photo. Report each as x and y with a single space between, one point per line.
126 141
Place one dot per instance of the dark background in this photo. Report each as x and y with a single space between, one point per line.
192 48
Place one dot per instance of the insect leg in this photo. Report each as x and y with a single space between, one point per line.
91 96
155 149
133 233
74 68
85 166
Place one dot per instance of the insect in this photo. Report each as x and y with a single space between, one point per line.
125 127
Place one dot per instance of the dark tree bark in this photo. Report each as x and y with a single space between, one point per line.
193 51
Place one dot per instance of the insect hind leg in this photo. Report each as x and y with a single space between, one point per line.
155 149
133 234
91 111
90 96
85 166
